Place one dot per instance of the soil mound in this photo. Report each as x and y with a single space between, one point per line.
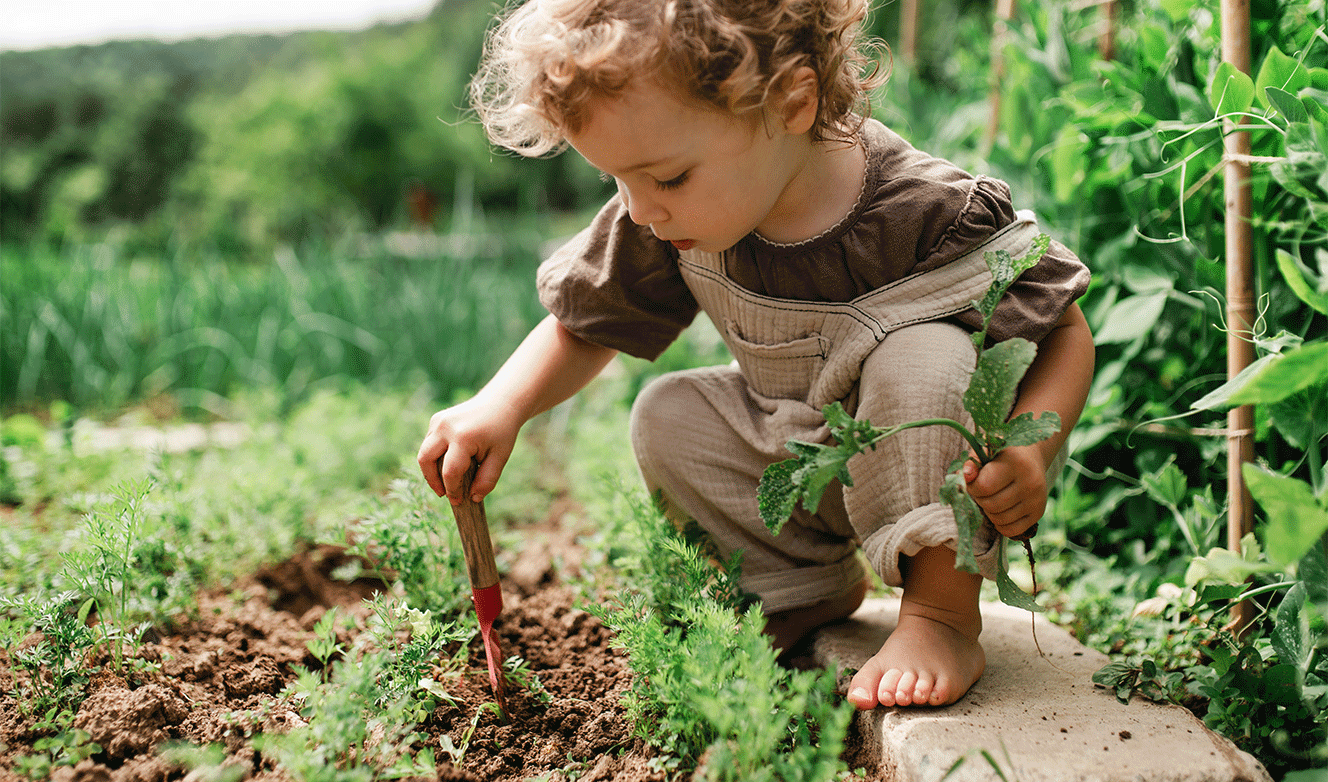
216 677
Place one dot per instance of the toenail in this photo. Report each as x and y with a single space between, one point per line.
859 694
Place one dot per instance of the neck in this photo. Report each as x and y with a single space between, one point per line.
822 189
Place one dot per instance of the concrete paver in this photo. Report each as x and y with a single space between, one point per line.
1039 720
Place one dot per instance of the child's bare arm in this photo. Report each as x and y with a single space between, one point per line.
549 366
1012 488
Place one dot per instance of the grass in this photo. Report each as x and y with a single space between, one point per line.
101 330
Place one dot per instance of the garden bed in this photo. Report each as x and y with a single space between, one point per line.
228 675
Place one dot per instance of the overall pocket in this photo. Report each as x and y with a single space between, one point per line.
786 370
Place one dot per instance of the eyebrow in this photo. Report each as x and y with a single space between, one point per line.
640 166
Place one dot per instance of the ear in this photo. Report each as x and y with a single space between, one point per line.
800 101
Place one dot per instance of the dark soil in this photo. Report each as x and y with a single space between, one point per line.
218 679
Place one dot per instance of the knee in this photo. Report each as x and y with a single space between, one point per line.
919 371
657 413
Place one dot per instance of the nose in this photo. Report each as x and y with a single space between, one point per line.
640 207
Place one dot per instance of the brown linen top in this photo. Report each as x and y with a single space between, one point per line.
616 285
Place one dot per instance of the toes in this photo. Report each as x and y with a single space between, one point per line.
862 689
905 688
923 690
888 689
940 692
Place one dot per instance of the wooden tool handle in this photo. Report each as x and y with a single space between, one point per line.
474 529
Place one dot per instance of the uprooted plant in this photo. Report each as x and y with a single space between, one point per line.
991 394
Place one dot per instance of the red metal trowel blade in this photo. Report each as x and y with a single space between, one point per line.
488 604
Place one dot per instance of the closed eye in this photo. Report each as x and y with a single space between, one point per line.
674 183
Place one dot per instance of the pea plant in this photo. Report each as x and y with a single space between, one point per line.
991 394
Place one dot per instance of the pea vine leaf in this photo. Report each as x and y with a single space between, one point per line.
993 389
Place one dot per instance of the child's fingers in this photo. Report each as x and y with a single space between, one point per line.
428 458
453 466
486 477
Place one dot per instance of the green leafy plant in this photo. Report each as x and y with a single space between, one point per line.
457 752
416 547
707 688
350 733
108 571
411 667
324 646
65 746
56 665
518 672
990 396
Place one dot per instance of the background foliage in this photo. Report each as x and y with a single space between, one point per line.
197 222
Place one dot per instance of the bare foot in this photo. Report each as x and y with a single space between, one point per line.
933 656
786 628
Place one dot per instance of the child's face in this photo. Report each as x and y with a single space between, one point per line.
698 177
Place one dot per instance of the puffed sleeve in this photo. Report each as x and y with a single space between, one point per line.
616 285
1038 299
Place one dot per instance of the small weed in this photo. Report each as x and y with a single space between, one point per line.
64 746
406 536
520 673
323 646
707 689
990 760
56 665
350 734
109 571
457 752
411 666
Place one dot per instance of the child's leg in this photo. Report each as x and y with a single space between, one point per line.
933 655
703 440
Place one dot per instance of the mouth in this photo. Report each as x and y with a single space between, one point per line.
683 244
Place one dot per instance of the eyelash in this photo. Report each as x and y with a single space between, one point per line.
671 184
674 183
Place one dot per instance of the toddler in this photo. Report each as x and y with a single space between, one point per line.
838 263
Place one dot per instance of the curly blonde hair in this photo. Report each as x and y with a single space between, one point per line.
547 59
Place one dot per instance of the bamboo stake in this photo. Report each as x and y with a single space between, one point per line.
1239 292
1000 32
908 31
1106 43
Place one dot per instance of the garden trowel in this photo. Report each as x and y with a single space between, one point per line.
488 597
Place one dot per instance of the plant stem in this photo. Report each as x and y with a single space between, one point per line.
978 446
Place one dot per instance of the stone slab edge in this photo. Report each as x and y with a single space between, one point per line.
1038 718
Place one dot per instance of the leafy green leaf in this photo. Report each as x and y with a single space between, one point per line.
1004 271
1131 318
1302 418
1232 90
818 465
1167 485
776 495
1293 371
1295 278
995 382
1024 429
1220 397
1225 566
1280 71
1286 104
968 519
1291 633
1012 595
1295 519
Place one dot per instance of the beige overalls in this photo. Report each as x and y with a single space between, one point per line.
704 436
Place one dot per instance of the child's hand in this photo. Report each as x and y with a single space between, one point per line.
472 430
1011 489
